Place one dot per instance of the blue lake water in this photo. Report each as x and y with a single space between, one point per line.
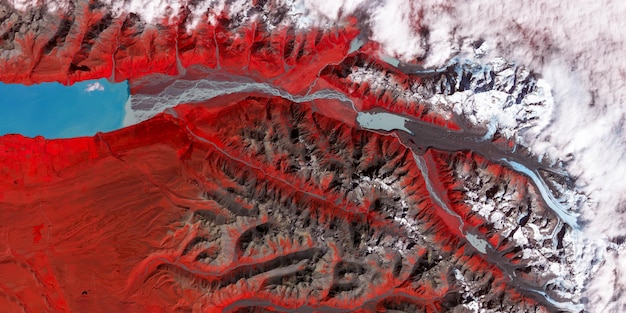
56 111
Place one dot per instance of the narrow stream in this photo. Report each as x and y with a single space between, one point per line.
415 134
421 136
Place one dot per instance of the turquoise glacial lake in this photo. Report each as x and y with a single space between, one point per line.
53 110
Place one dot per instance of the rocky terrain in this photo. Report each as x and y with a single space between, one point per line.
275 198
279 207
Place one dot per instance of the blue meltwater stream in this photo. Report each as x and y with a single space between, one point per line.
53 110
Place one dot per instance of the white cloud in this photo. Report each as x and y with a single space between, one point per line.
333 9
94 87
392 27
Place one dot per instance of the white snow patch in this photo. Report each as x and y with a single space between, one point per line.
52 5
23 5
151 11
577 46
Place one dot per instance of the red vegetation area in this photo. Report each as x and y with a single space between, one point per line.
94 45
264 204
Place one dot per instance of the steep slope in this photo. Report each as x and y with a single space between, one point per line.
276 208
260 189
88 41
